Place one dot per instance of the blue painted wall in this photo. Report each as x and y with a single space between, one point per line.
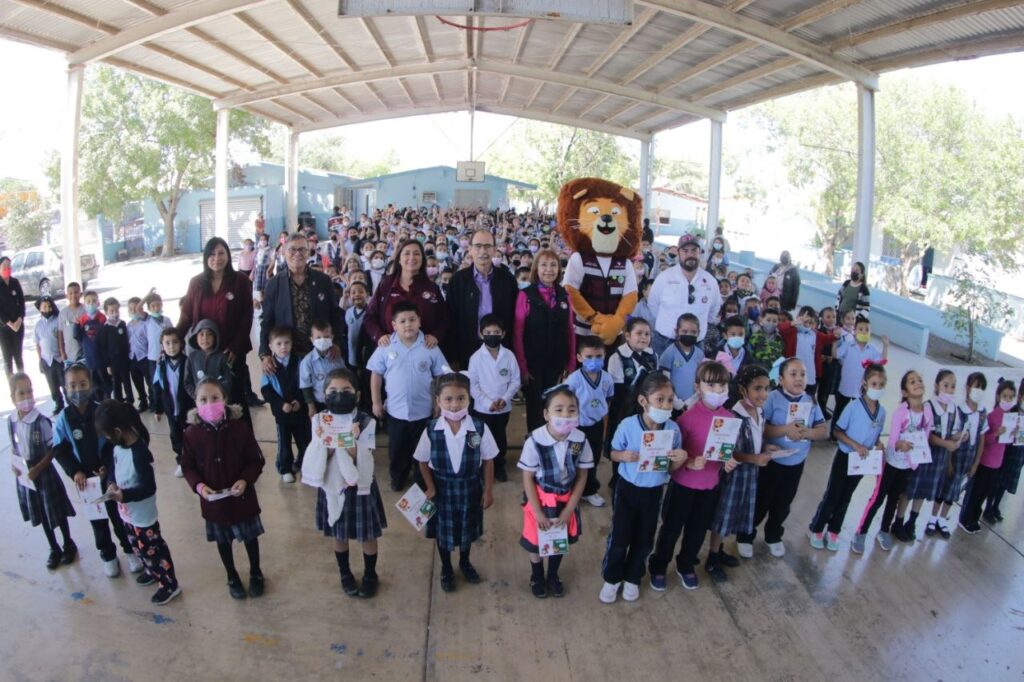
407 188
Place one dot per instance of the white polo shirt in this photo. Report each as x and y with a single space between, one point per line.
456 443
670 297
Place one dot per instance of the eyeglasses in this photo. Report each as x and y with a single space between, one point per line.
297 251
482 247
693 296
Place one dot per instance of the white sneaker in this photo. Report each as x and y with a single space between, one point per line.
777 549
134 564
594 500
178 472
112 568
288 478
609 593
745 550
630 592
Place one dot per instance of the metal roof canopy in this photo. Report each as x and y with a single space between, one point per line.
299 63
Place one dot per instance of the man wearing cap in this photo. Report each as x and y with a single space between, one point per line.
683 288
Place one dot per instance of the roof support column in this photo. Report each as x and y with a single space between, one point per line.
69 175
220 180
646 163
865 174
714 178
291 180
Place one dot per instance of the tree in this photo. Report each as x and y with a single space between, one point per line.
974 302
25 224
328 153
142 139
681 175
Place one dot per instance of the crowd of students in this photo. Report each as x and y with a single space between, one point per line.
747 359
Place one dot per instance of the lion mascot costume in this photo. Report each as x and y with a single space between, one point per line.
600 222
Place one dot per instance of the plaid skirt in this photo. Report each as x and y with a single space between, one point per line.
1009 473
951 486
362 518
459 520
926 480
734 512
244 531
48 501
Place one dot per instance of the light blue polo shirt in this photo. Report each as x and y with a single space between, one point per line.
313 371
776 411
627 437
860 425
852 357
407 372
593 397
681 369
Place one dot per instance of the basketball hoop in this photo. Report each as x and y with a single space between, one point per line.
466 27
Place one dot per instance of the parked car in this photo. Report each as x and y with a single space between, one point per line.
41 270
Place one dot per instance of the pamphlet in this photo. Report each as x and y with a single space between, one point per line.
864 466
336 430
554 541
1011 422
722 437
654 449
922 452
22 467
799 414
415 507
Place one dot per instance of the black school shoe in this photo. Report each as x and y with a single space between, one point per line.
715 570
539 589
556 588
368 588
727 560
349 585
899 531
448 582
235 589
256 585
472 577
931 529
53 561
67 557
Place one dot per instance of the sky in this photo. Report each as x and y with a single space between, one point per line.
30 121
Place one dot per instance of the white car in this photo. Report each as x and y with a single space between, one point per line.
40 270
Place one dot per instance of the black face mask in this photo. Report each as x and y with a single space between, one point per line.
492 340
49 313
855 276
340 402
688 339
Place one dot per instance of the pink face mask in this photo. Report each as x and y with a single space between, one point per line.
455 416
211 413
563 426
25 406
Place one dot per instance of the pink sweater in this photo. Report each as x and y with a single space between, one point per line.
522 311
695 424
992 457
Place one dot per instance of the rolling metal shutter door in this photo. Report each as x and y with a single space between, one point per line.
242 212
472 198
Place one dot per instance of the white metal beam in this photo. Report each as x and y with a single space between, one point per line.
269 38
220 178
646 162
378 40
69 175
865 175
765 34
291 172
316 27
714 178
187 15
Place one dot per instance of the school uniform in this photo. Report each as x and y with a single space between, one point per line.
1009 476
87 332
170 398
67 318
155 326
975 423
593 397
113 348
354 321
862 426
627 369
76 448
456 462
987 474
852 357
408 372
734 512
279 388
926 480
50 364
555 465
681 369
48 505
808 346
778 481
138 360
313 371
896 468
829 375
635 508
490 379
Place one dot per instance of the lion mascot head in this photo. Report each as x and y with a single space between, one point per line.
598 216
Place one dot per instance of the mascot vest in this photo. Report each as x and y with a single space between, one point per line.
602 292
544 334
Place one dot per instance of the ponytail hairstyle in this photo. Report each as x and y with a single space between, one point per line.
1004 385
655 381
876 369
17 378
455 379
945 373
905 380
212 381
634 322
114 414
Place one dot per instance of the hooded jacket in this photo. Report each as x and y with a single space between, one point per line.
202 364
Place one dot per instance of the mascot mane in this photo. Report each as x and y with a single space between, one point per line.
600 217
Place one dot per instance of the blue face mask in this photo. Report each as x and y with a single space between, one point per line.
593 364
523 285
734 342
90 310
754 314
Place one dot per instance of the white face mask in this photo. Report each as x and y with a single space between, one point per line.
977 395
714 400
659 415
377 264
875 393
323 345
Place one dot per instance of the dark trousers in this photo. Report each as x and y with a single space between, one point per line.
982 485
149 545
841 402
631 538
827 382
891 484
300 432
54 373
595 436
533 392
838 493
498 425
122 384
241 388
176 426
102 384
687 511
11 343
402 439
101 533
776 488
139 372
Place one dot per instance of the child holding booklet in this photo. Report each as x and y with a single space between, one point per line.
638 492
909 418
793 420
221 462
690 503
985 469
46 502
1009 472
456 456
973 420
734 512
339 461
554 460
858 430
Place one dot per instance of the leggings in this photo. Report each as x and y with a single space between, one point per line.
227 557
891 484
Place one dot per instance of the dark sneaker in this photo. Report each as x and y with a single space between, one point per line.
990 517
909 532
53 561
556 588
727 560
539 589
145 579
658 583
256 585
970 529
255 402
368 588
689 580
715 570
997 515
235 589
472 576
67 557
349 585
448 582
899 531
164 595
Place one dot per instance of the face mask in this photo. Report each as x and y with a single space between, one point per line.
49 313
534 248
977 395
1006 405
690 264
79 398
157 316
90 310
945 398
714 400
492 340
464 243
670 259
211 413
340 402
113 318
136 317
377 264
431 271
25 406
456 416
5 271
659 415
768 327
718 246
734 342
563 426
323 345
855 276
593 364
717 260
442 255
688 340
754 314
875 393
863 338
523 285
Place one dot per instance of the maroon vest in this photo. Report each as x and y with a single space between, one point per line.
602 292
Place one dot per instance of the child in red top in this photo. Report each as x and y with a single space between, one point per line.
985 470
811 349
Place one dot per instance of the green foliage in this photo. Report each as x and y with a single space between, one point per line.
25 224
142 139
681 175
328 153
974 302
